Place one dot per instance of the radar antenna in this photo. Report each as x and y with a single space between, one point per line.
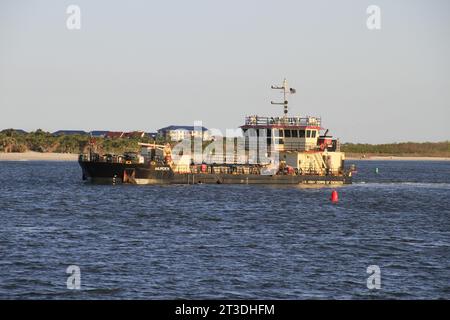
286 90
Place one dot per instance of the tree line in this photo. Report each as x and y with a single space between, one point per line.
42 141
430 149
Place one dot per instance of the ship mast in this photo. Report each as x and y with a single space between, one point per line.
286 90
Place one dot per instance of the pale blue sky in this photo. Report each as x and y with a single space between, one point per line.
142 65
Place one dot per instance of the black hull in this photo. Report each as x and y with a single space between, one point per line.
114 173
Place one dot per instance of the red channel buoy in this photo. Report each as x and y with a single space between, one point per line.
334 196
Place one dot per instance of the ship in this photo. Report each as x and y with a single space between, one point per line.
282 149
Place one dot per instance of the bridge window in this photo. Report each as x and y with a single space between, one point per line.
313 133
287 133
277 133
269 132
301 133
308 133
294 133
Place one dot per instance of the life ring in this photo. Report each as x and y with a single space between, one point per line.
128 162
152 162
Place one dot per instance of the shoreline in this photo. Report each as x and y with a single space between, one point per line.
38 156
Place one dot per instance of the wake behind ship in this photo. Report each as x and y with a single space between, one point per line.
294 151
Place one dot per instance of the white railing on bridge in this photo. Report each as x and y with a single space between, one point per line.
284 121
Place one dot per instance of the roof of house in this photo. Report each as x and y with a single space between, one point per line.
69 132
114 134
174 127
134 134
98 132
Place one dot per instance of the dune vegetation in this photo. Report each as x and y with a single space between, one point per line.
410 149
41 141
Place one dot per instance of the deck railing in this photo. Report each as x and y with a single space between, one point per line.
112 158
284 121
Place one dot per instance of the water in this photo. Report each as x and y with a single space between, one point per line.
225 241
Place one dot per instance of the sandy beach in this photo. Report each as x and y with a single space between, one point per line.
37 156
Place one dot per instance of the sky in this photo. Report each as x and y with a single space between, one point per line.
143 65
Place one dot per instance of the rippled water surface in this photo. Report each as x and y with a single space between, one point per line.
225 241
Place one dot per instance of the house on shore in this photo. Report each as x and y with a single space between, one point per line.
152 135
114 134
134 134
178 133
122 134
98 133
